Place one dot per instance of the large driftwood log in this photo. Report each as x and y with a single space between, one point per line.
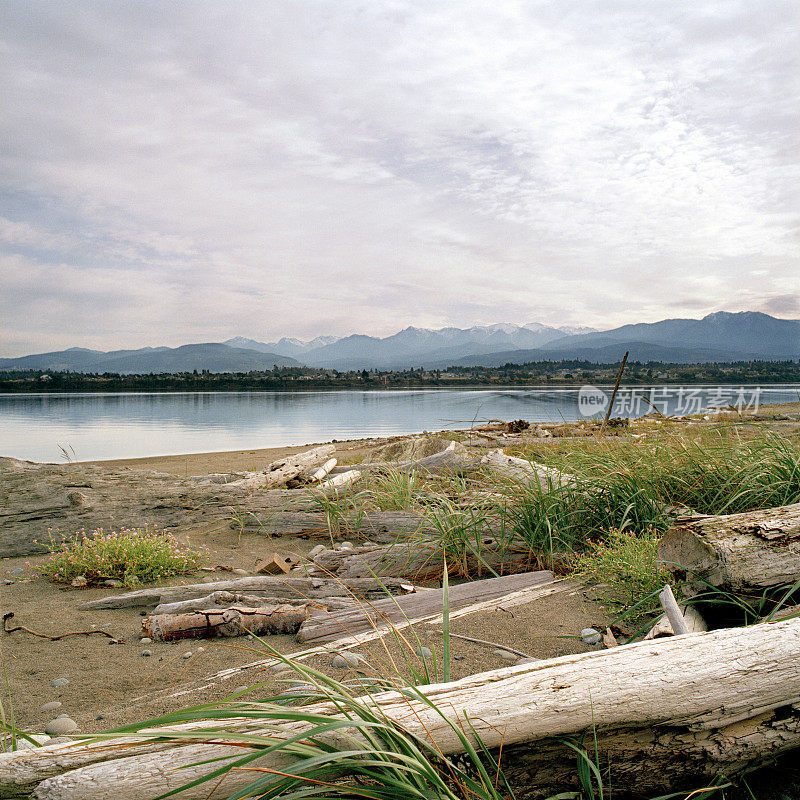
276 474
228 599
755 550
423 558
449 461
327 626
521 470
378 526
662 715
269 585
235 621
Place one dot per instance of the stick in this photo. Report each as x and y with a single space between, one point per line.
614 393
673 611
488 644
10 614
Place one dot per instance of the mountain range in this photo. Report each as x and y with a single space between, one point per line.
722 336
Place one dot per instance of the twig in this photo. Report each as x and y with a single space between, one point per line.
10 614
488 644
614 393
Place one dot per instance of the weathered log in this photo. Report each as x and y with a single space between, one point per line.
692 620
228 599
321 472
378 526
662 715
338 485
326 626
449 461
234 621
422 558
521 470
273 586
276 474
740 553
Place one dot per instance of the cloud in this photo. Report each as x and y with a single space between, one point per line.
784 304
270 169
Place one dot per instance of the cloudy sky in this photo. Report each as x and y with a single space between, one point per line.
176 172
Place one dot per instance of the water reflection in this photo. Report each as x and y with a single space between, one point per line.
139 424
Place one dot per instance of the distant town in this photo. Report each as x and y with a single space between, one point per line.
537 373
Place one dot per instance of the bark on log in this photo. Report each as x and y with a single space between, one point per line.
740 553
235 621
272 586
664 714
327 626
423 558
522 470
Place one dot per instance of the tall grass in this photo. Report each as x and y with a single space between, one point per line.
634 484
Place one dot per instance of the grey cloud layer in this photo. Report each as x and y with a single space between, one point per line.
193 171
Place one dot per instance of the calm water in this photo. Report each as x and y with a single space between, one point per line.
105 426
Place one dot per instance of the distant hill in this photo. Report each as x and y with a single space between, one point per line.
748 335
745 336
414 347
211 356
722 336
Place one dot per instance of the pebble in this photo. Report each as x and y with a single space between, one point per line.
59 682
8 581
60 726
240 689
423 652
187 654
591 636
112 583
16 571
240 571
345 660
79 582
345 546
506 655
145 640
51 706
316 550
200 650
146 653
279 667
526 660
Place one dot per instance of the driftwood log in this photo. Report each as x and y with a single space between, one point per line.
270 586
228 599
276 474
521 470
327 626
449 461
378 526
338 485
740 553
423 558
665 715
234 621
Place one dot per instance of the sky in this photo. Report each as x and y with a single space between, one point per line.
175 172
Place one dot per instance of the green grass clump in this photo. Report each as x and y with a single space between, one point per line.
627 564
721 471
131 555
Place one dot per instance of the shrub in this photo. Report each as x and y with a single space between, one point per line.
130 555
626 563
